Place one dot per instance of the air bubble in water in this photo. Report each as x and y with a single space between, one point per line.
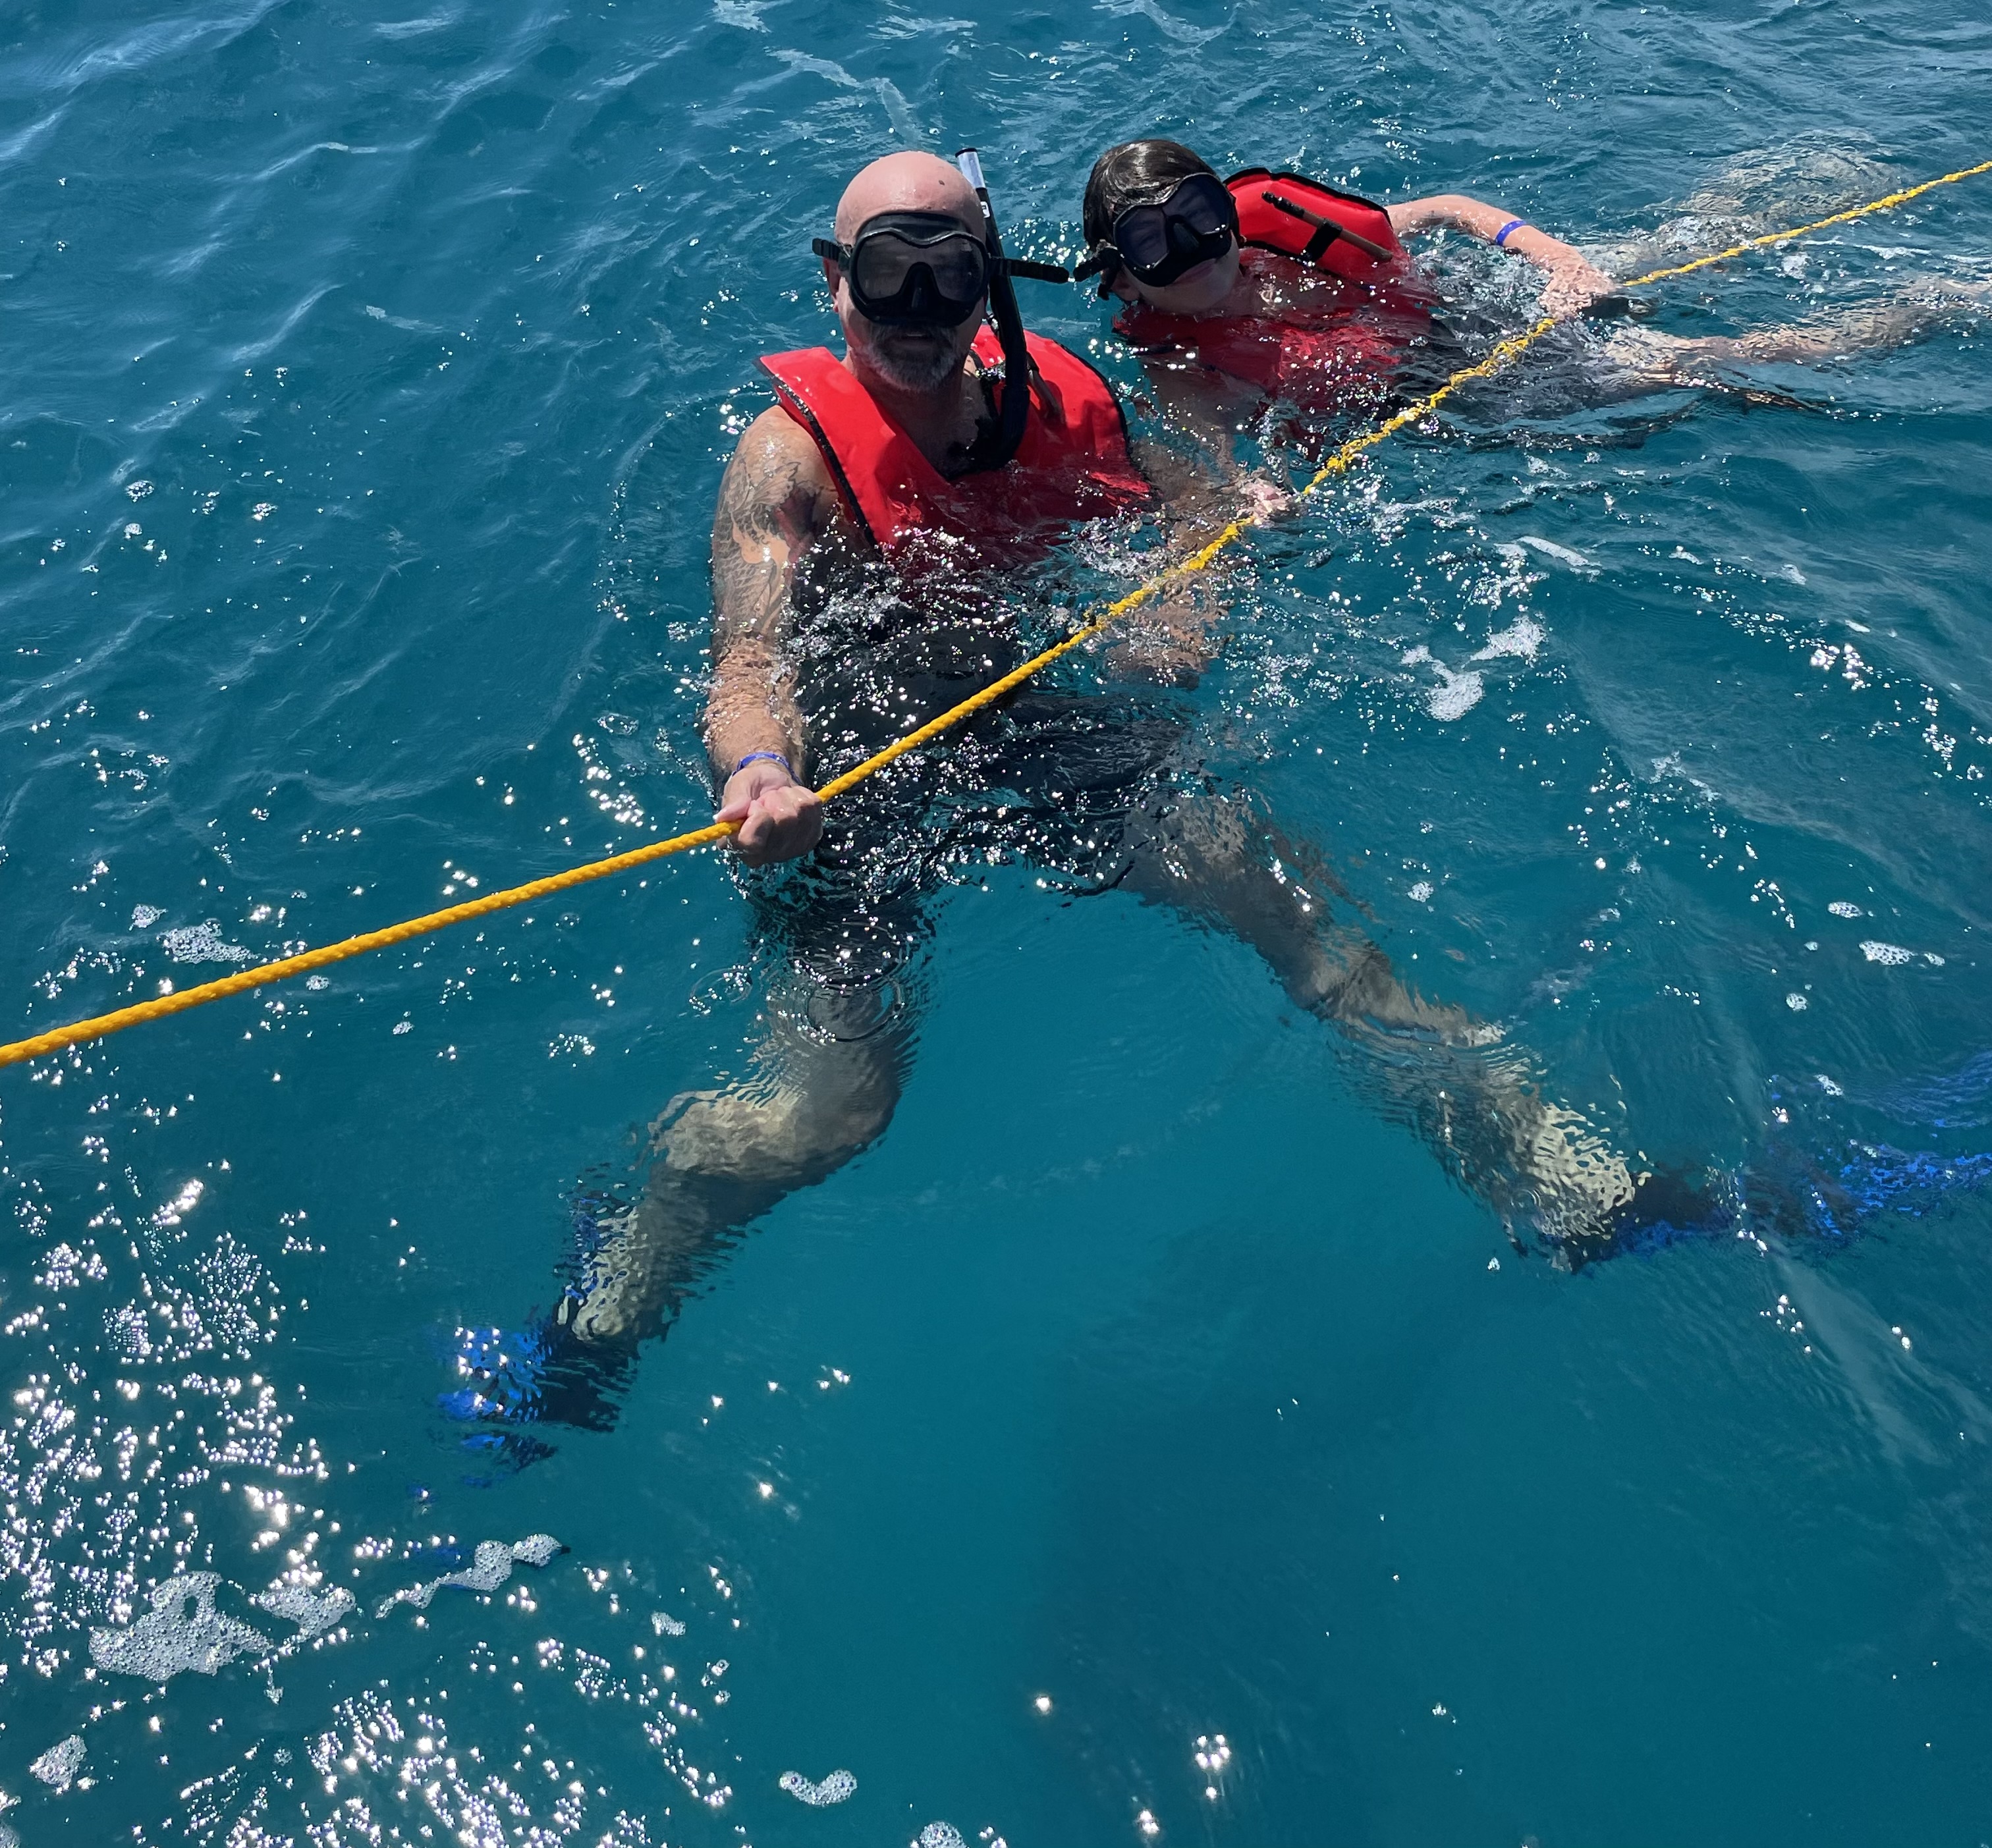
58 1766
183 1632
312 1611
490 1565
202 943
834 1789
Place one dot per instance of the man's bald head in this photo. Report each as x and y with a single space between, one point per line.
910 182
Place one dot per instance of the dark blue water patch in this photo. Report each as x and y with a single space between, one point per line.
1862 1187
1907 1184
1956 1100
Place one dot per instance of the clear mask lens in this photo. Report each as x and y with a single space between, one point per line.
885 263
913 269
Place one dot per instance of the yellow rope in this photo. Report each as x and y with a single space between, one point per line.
244 979
1507 352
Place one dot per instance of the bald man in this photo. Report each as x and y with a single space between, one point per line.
899 443
868 526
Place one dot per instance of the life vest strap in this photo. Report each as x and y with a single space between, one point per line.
1326 230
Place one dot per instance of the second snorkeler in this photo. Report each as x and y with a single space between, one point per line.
1270 287
1268 291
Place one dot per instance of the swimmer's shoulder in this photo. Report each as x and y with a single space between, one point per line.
777 468
775 448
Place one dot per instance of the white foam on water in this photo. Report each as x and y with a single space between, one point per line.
313 1612
1522 638
490 1567
202 943
1841 909
1890 955
834 1788
145 916
57 1766
183 1632
1561 554
666 1626
941 1835
1455 695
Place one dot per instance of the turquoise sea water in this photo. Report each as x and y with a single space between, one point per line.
1144 1427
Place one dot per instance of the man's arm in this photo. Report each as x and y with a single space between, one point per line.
776 501
1573 283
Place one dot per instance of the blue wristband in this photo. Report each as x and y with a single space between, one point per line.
770 757
1513 224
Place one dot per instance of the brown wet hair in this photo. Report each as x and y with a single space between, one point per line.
1134 173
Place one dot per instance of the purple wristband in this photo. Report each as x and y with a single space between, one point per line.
766 757
1513 224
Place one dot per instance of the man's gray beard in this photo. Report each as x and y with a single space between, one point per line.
903 368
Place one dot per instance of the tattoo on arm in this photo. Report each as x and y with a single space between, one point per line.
770 512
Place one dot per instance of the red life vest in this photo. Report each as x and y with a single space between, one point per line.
1338 343
1261 224
1072 465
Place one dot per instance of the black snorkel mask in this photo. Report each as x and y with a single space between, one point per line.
1160 241
912 269
926 269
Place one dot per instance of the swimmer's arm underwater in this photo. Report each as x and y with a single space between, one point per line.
775 502
1573 283
1169 638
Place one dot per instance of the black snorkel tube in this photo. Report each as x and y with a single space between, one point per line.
1016 408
